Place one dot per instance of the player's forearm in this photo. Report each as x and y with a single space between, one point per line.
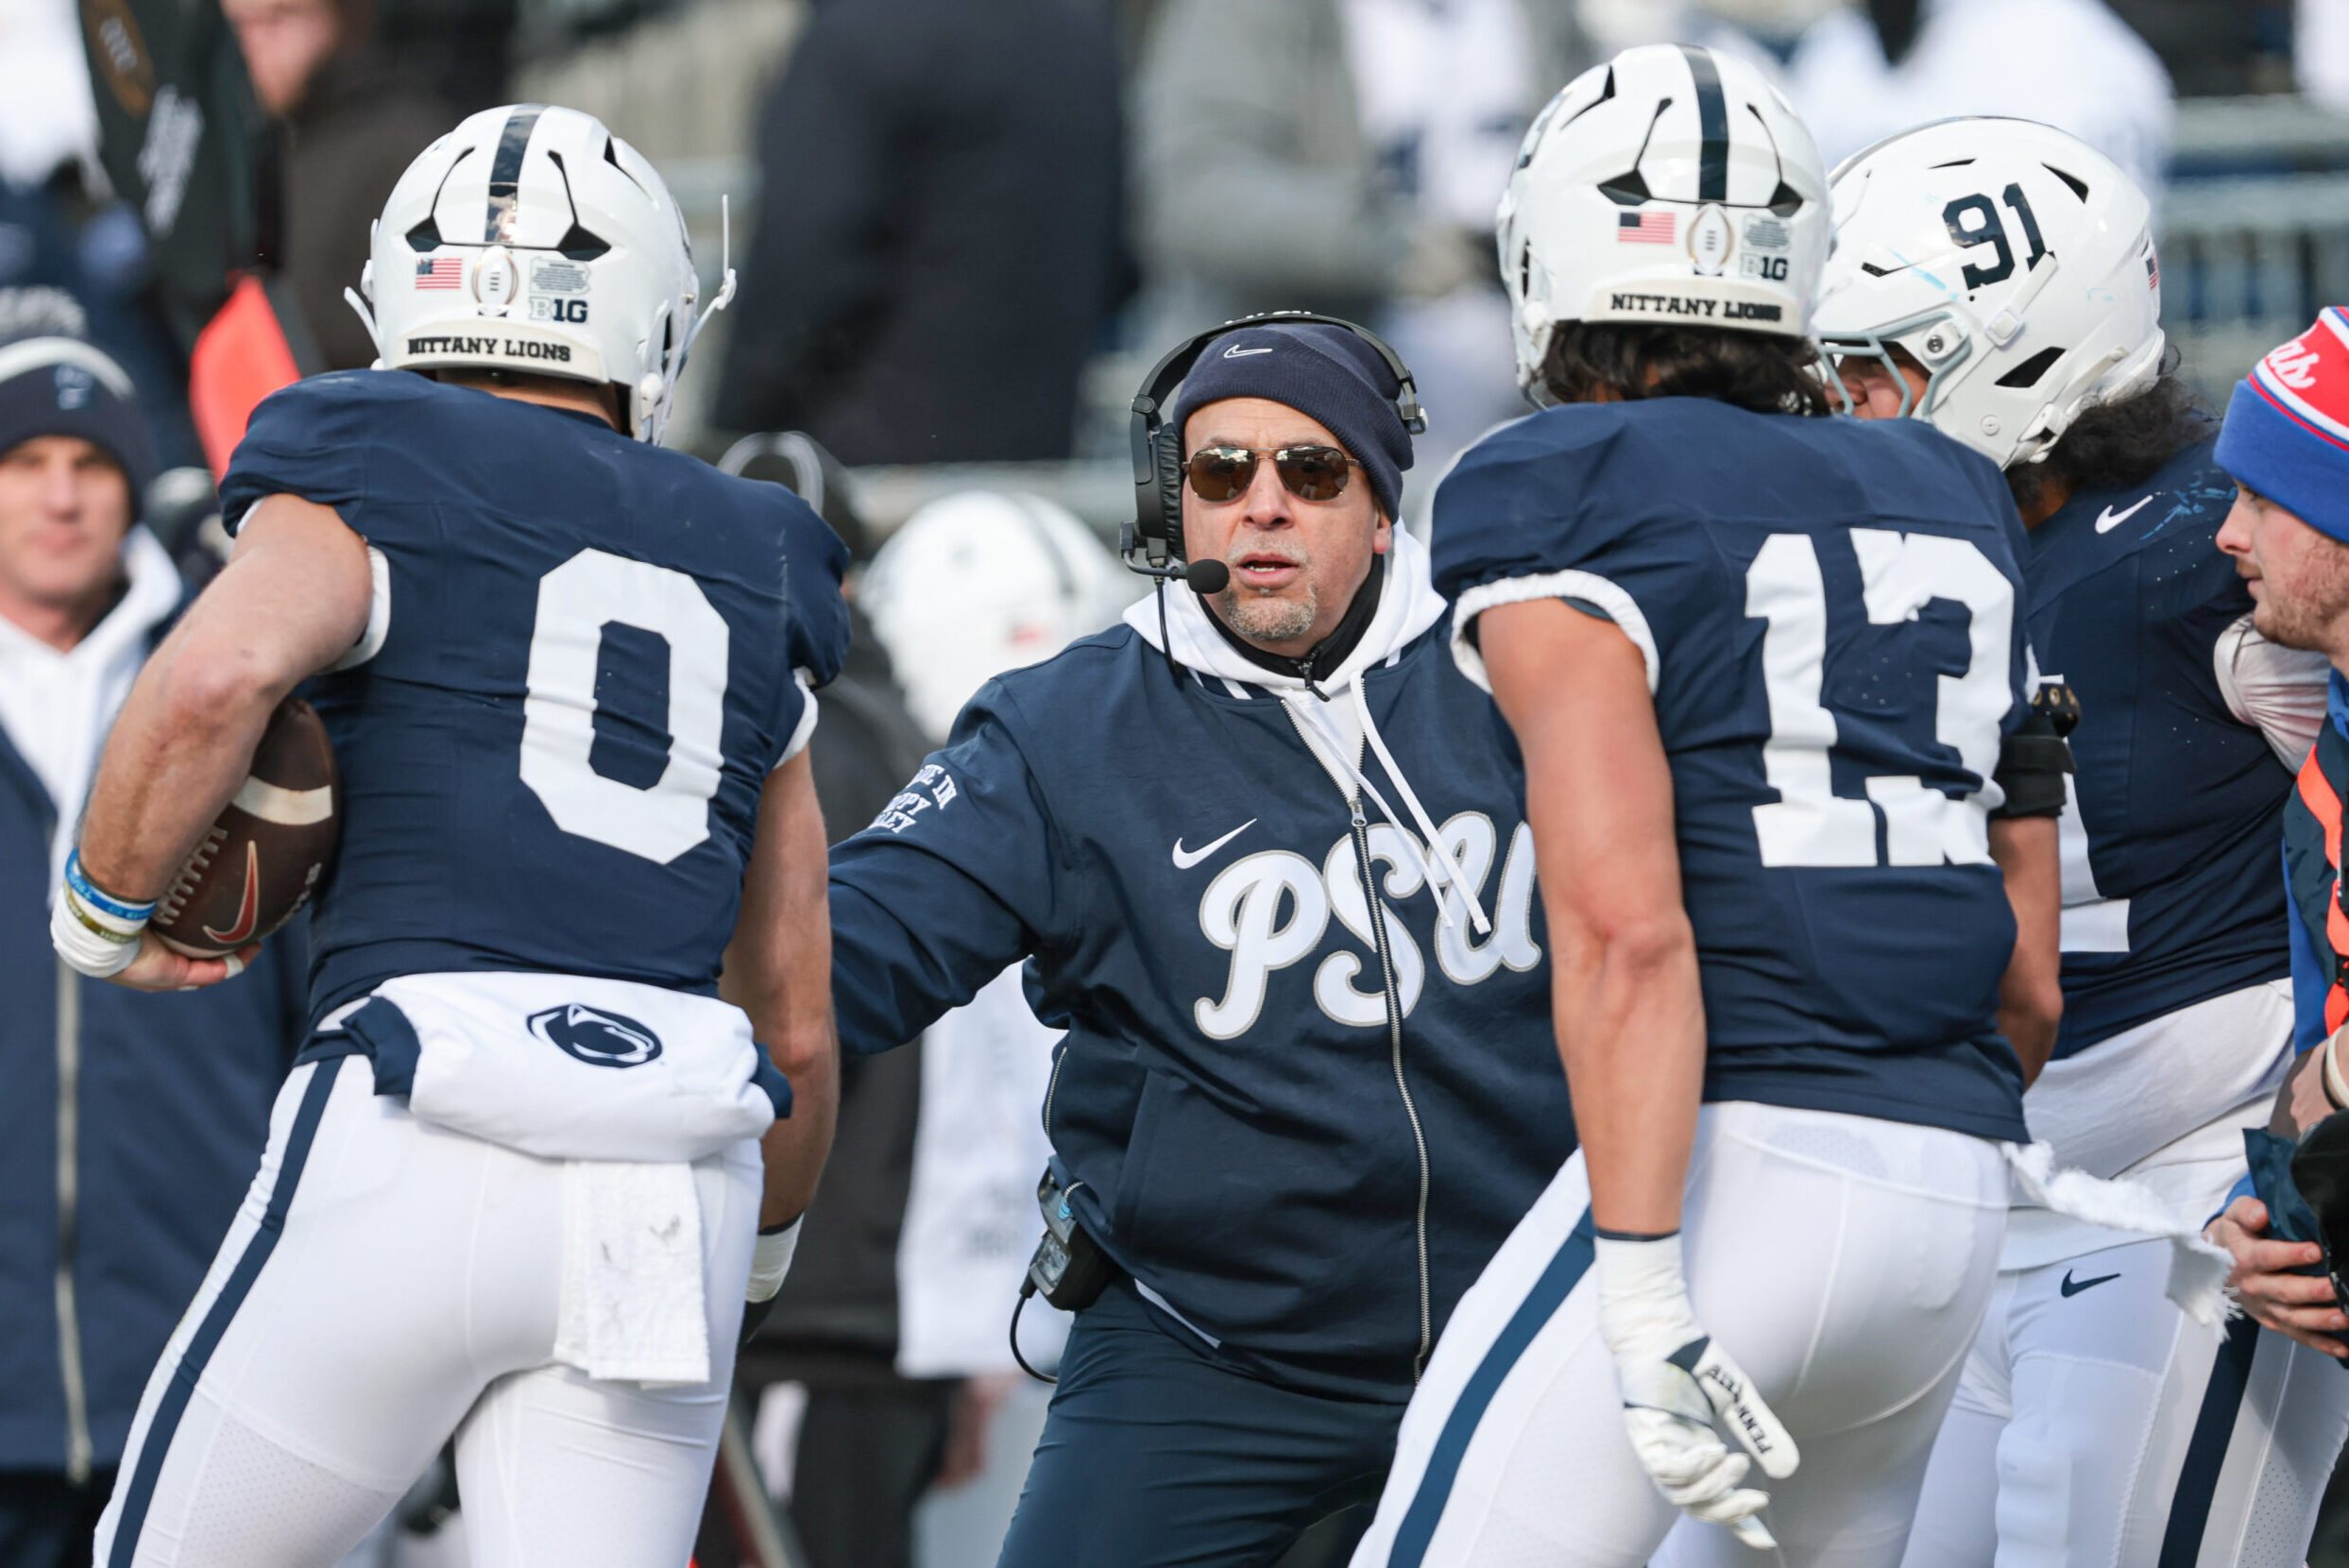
178 752
1631 1030
293 599
2030 993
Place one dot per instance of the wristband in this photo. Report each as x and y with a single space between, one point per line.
90 940
92 930
104 903
2335 1089
770 1260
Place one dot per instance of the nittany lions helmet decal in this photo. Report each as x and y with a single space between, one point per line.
2012 262
531 238
1670 185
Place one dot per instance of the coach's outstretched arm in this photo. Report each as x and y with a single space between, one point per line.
961 877
779 971
1630 1019
293 599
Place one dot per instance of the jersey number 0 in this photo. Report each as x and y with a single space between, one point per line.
1809 824
577 601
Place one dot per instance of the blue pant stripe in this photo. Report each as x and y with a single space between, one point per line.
1542 1303
139 1491
2205 1451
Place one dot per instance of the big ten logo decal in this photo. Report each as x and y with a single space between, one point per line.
933 787
544 309
1273 909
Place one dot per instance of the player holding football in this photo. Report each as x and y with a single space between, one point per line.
1998 279
1767 668
566 677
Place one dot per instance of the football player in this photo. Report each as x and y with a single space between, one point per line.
566 675
1764 667
1998 279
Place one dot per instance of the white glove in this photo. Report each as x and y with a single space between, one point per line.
1675 1381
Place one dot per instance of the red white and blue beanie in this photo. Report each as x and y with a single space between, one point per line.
2286 432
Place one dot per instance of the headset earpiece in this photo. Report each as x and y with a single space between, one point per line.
1169 455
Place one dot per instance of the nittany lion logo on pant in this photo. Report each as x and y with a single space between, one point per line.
598 1038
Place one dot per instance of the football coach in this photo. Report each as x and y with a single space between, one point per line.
1263 851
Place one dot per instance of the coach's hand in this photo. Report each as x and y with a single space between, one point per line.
1675 1381
2299 1306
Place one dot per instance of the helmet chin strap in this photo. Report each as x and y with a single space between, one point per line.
725 285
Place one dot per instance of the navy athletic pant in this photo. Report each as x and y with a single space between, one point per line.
1154 1457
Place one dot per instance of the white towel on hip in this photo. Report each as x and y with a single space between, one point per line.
633 1307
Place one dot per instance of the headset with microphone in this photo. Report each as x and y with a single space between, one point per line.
1155 534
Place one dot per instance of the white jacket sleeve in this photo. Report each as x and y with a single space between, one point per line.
2281 690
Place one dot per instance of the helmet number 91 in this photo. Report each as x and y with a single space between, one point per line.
1988 229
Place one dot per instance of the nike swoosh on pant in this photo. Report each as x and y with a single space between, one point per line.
1185 859
2071 1289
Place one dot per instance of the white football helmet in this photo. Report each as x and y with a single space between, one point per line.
531 238
979 582
2013 261
1672 186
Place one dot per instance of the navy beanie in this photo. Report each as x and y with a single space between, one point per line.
64 386
1326 373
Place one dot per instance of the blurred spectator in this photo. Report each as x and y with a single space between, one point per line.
869 1441
970 585
2219 48
129 1124
1857 73
351 125
940 231
460 51
1341 155
2321 52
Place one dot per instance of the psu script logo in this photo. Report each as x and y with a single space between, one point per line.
598 1038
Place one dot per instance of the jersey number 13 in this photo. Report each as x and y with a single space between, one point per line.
1809 824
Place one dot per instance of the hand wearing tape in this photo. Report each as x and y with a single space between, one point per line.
105 938
1676 1381
770 1261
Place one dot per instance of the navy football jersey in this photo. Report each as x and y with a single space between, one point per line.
553 761
1831 616
2169 887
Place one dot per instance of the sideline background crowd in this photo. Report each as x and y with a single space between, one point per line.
964 227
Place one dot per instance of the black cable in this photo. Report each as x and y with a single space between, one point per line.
1027 1289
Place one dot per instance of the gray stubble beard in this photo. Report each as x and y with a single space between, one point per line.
1262 617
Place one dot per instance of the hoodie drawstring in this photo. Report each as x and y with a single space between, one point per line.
1440 871
1418 813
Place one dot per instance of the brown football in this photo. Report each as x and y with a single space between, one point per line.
261 857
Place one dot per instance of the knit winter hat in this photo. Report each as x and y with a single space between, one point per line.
53 382
2287 432
1326 373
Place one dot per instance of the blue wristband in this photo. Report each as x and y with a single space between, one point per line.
105 903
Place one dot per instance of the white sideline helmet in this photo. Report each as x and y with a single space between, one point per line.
2013 261
1671 186
531 238
979 582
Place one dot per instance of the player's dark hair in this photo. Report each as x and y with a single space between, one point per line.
2117 445
1764 372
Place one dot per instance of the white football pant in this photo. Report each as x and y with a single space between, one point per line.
2096 1426
387 1283
1842 1260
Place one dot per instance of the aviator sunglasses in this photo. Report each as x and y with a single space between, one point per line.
1309 473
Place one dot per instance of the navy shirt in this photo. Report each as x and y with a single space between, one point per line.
2169 880
553 759
1830 615
1236 1122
